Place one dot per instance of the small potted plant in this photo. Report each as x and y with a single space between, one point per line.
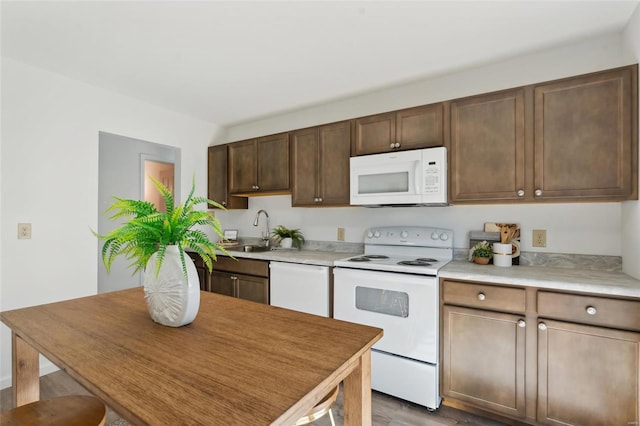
288 237
481 253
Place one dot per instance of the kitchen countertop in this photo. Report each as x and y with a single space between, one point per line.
568 279
580 280
308 257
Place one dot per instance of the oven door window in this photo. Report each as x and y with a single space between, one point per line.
380 301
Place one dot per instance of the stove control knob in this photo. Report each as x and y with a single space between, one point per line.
376 234
434 235
444 236
369 234
404 234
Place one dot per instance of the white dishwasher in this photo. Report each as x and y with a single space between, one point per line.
299 287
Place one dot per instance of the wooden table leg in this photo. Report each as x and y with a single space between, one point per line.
357 394
25 373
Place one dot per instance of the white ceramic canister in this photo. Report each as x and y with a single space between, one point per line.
502 254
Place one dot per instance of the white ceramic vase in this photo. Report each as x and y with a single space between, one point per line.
286 243
172 299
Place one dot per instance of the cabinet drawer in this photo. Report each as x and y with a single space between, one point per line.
484 296
242 266
616 313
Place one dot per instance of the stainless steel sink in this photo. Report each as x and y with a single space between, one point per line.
248 248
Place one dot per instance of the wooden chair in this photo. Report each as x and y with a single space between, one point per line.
323 407
75 410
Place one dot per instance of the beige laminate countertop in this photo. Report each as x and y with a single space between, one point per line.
580 280
569 279
308 257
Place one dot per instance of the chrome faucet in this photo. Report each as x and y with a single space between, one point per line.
265 235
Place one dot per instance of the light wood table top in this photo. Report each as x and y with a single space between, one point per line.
238 363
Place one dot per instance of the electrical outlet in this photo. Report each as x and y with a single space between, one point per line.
539 238
340 234
24 231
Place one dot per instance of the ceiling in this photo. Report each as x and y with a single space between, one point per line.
232 61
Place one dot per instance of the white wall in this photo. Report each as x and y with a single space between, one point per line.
593 228
631 209
49 168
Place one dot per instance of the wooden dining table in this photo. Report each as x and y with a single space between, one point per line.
238 363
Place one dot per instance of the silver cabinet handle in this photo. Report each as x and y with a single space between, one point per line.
591 310
320 200
391 145
520 192
397 144
481 296
224 203
542 326
522 323
538 192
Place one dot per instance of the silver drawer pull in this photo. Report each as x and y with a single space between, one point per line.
542 326
591 310
522 323
481 296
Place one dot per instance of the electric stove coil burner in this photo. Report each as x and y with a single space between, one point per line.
426 259
417 262
368 257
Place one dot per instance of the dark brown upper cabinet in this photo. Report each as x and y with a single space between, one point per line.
412 128
218 189
320 165
574 139
586 138
488 147
259 166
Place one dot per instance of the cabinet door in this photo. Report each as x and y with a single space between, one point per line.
217 173
243 167
273 163
333 174
487 148
201 269
583 137
483 360
420 127
375 133
587 375
304 156
252 288
223 283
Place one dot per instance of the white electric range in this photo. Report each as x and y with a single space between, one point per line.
394 286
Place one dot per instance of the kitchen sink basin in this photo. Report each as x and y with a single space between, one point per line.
247 248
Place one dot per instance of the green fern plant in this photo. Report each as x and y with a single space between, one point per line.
150 231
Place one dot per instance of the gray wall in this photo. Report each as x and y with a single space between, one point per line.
120 175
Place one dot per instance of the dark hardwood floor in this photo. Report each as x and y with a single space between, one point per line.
387 410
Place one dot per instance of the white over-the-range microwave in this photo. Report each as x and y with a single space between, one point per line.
403 178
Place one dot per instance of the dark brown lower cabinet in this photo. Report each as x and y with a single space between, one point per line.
587 375
484 359
540 356
242 278
245 287
201 268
